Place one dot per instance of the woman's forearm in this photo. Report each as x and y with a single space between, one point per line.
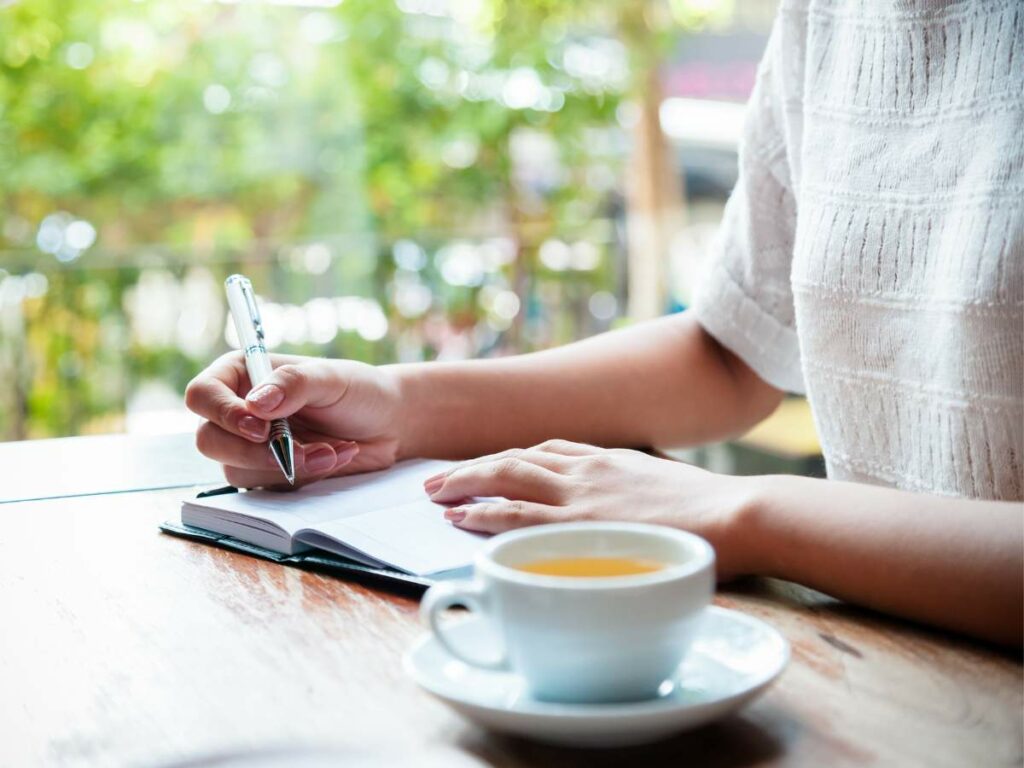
664 382
949 562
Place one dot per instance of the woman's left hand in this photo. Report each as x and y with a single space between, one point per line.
561 481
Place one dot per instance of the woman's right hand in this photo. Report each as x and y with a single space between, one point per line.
344 416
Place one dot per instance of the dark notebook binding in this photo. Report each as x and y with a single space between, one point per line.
323 562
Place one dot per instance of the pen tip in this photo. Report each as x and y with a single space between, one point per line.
282 449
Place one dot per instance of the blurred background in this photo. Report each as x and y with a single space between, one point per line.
401 179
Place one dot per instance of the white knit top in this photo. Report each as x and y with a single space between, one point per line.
872 253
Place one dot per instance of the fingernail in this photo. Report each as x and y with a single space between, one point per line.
267 397
252 427
432 478
346 454
455 514
433 484
320 460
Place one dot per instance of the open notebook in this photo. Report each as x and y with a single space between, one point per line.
380 519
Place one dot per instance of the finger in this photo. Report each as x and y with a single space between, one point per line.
293 387
312 462
213 394
568 448
223 447
550 461
501 516
372 456
509 477
215 442
305 435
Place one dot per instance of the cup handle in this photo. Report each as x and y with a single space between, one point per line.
443 596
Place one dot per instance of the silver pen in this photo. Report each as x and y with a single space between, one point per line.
242 302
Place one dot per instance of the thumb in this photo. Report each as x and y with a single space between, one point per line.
291 388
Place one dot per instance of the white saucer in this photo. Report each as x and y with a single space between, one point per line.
733 658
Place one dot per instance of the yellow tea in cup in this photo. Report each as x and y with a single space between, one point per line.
558 621
592 567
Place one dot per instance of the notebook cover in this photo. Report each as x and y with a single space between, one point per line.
324 562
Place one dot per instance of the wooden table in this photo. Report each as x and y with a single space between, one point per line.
81 466
123 646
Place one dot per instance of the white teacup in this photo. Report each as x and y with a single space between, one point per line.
584 639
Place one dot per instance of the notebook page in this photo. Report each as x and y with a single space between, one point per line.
413 537
330 499
385 515
343 497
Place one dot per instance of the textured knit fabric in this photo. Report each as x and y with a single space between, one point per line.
872 253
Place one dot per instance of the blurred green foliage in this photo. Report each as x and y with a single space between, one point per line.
227 135
328 124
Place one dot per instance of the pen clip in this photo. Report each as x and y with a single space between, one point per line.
254 313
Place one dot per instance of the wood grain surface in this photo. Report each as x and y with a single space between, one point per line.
81 466
123 646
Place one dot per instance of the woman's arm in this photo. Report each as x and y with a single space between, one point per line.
950 562
664 382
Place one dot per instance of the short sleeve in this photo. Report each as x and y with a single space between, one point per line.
745 298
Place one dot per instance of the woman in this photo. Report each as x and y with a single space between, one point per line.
870 256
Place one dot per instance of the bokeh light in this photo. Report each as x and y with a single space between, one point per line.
401 181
